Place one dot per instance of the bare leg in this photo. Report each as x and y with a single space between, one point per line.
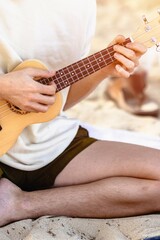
105 159
105 180
112 197
10 200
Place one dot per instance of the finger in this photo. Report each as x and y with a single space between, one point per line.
49 90
121 71
33 107
137 47
130 54
130 65
37 107
44 99
118 39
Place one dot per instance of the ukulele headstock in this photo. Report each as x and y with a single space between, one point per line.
148 32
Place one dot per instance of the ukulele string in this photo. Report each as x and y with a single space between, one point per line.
155 30
59 82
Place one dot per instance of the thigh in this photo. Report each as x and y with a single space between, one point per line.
104 159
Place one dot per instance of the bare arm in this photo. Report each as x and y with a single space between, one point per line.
127 59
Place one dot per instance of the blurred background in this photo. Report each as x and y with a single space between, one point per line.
113 18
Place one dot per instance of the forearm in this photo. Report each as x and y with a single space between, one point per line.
83 88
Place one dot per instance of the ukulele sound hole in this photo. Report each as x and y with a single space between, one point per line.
0 127
16 109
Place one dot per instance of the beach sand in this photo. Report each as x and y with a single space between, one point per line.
113 17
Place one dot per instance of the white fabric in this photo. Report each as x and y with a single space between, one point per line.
117 135
58 33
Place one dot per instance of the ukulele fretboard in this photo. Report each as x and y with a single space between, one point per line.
83 68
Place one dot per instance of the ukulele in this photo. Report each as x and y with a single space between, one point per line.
13 120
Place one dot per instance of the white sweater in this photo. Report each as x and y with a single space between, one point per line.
58 33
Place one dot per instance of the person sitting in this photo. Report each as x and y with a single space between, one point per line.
55 167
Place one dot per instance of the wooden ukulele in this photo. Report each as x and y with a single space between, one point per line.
13 120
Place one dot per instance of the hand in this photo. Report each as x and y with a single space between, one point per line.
127 57
20 89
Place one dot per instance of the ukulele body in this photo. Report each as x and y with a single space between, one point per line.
13 120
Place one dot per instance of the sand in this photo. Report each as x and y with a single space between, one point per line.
118 17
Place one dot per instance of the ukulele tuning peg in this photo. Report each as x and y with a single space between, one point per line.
158 11
154 40
144 19
158 47
147 26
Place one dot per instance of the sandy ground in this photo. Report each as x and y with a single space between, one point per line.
113 17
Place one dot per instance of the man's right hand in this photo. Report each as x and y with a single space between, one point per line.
20 89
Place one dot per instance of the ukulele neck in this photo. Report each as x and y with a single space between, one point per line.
83 68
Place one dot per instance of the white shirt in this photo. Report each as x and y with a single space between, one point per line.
58 33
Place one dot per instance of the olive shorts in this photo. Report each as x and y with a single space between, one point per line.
44 177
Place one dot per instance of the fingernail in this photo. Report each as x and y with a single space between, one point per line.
115 47
116 55
118 67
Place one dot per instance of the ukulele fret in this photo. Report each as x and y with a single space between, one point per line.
45 81
74 74
111 54
63 78
78 71
94 63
